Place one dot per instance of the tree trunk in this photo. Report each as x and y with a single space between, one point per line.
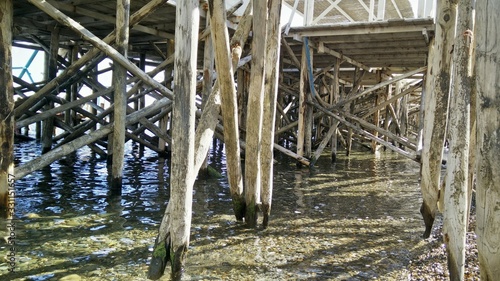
6 112
455 194
488 150
436 108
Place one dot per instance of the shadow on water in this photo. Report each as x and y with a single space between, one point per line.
356 219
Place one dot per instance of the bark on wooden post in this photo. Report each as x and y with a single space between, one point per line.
270 99
6 111
173 238
120 94
436 108
455 201
487 71
223 62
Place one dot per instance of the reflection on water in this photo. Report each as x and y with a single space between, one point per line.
356 219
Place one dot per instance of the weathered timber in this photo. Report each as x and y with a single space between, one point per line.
487 72
173 236
269 112
367 134
120 95
48 124
255 112
455 212
436 109
229 104
72 146
7 178
48 88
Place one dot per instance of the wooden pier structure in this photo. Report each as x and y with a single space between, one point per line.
366 71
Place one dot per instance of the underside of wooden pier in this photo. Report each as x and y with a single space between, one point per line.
368 79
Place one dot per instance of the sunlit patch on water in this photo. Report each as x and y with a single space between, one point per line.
356 219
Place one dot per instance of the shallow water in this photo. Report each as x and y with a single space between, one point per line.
356 219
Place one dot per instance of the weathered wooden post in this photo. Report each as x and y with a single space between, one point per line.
436 109
7 124
255 112
173 238
270 98
456 200
487 71
229 104
51 73
120 94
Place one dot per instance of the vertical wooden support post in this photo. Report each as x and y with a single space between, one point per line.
208 79
48 124
455 201
7 123
270 99
173 238
120 94
142 99
334 98
376 114
436 109
164 121
487 72
301 129
254 113
72 91
182 178
229 104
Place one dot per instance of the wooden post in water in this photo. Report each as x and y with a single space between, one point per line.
120 95
436 109
173 238
229 104
7 124
254 113
334 98
48 124
487 71
270 98
164 121
455 201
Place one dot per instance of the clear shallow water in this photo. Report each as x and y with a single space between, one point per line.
356 219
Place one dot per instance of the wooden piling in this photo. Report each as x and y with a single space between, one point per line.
455 201
173 238
269 113
51 73
254 113
120 95
7 177
487 73
436 109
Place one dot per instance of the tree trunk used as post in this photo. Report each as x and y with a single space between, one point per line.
48 124
254 113
120 94
229 105
270 99
7 123
173 238
456 200
487 71
436 108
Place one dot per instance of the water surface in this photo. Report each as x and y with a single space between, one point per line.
356 219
